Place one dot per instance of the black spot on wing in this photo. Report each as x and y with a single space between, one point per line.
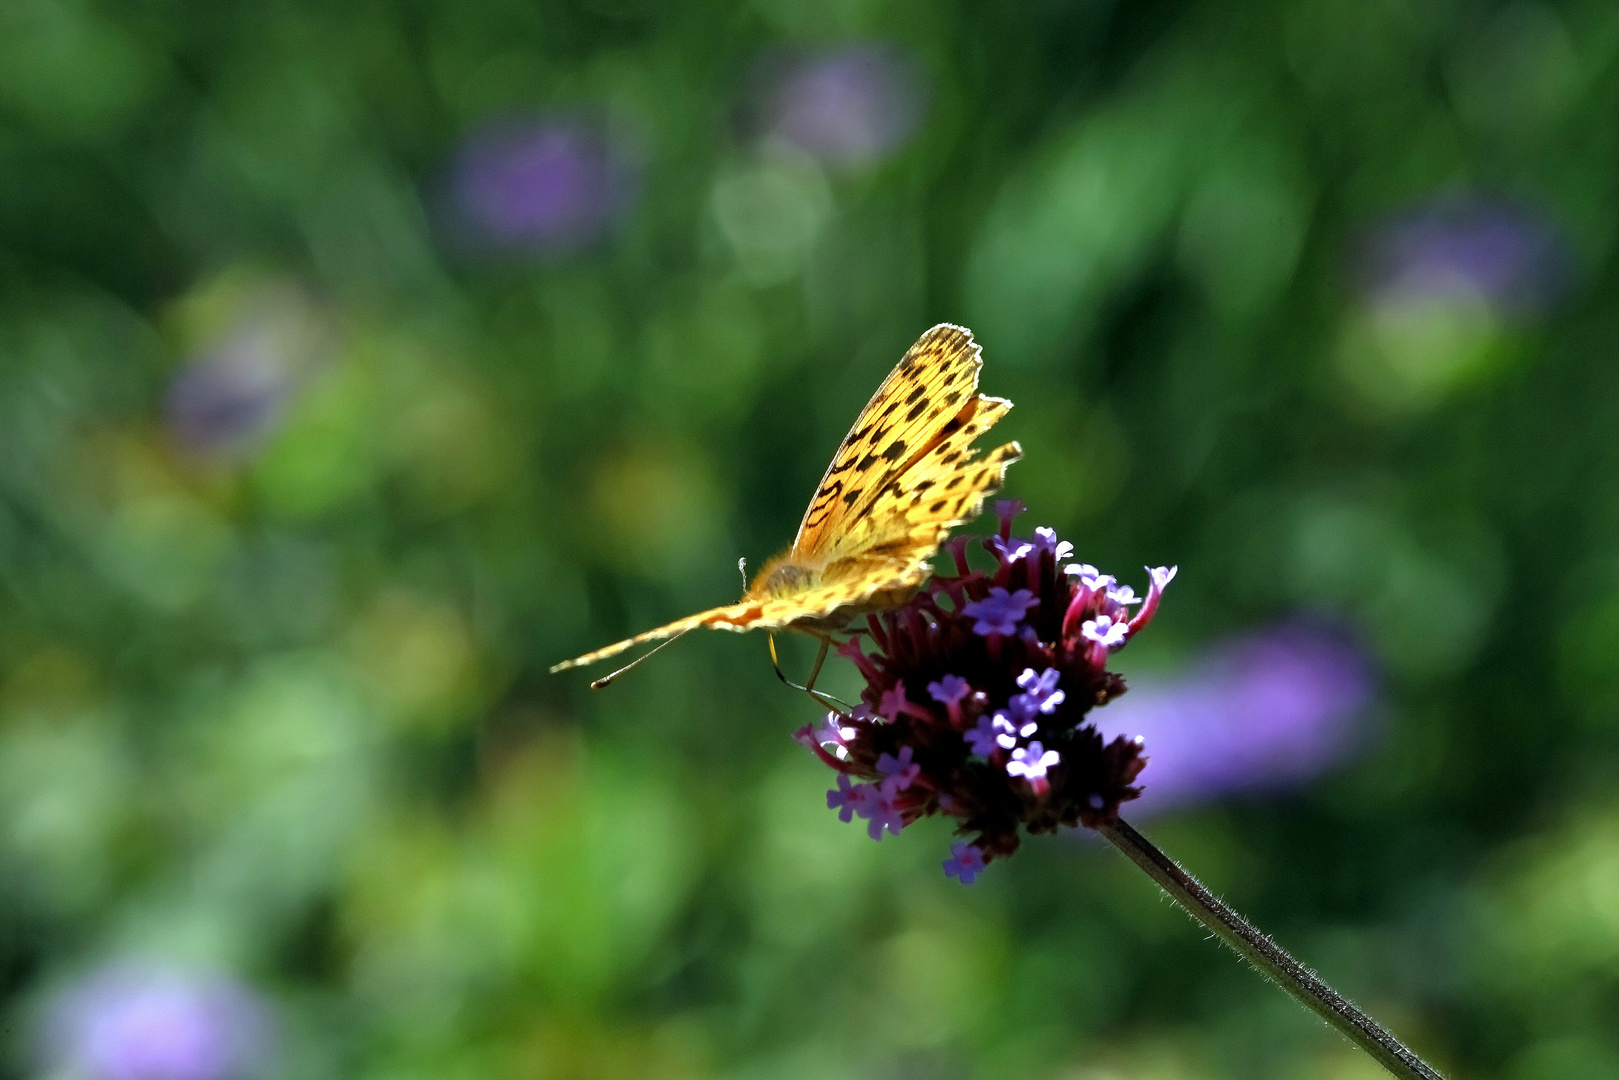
895 451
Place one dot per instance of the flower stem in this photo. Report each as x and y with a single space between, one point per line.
1268 957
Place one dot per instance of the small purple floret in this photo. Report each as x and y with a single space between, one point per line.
1123 595
1104 631
949 690
983 738
844 798
1010 550
898 773
1090 577
1032 761
892 702
1040 693
831 730
1011 730
883 814
965 863
1046 540
1000 612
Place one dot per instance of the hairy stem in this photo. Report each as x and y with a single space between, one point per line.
1269 957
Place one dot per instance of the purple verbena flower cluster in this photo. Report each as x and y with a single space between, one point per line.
976 697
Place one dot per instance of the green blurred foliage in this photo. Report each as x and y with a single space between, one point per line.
273 694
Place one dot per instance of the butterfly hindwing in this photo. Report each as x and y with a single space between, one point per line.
911 517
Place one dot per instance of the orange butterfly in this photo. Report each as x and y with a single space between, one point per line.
905 475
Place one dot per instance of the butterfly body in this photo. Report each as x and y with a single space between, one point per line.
783 578
904 476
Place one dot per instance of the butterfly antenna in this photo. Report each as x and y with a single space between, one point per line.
607 680
742 566
821 696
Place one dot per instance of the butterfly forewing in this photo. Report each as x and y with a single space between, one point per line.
774 614
932 383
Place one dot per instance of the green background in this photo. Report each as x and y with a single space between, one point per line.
283 712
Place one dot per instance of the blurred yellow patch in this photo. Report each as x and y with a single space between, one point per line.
53 679
245 296
939 977
1552 903
1157 1056
771 212
579 1046
67 784
557 885
1408 355
154 531
654 510
417 657
326 452
807 868
451 445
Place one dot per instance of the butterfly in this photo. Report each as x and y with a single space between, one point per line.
904 476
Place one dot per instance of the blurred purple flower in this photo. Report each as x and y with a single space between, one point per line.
1267 710
1505 255
142 1022
231 396
547 185
847 106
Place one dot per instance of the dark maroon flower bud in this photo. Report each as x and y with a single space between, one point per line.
976 698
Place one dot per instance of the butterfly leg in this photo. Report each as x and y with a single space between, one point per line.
820 696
